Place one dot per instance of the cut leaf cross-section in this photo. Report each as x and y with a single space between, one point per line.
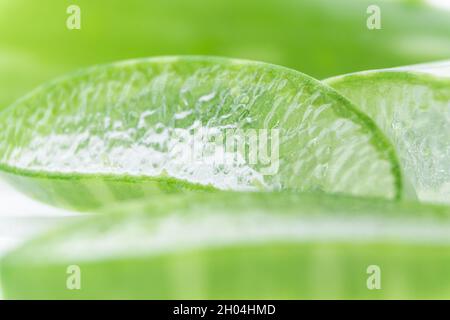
134 128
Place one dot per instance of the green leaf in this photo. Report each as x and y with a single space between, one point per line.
412 107
241 246
142 127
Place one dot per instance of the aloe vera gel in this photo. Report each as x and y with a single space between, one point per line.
192 123
321 173
412 106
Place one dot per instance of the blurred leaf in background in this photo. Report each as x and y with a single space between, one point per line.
258 246
318 37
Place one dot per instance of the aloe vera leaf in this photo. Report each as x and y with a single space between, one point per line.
321 37
241 246
107 133
412 107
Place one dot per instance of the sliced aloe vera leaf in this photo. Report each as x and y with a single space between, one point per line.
240 245
132 129
412 107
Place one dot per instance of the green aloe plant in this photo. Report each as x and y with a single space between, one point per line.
110 133
117 132
412 106
111 139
